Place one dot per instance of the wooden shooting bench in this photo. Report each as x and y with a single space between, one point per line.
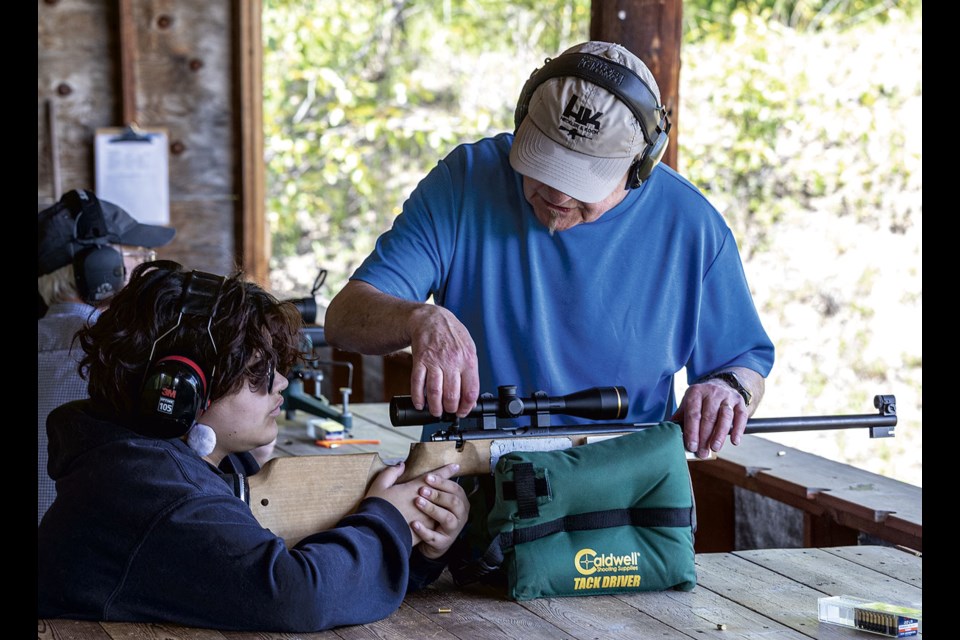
745 594
768 593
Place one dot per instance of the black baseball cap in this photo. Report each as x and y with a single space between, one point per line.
60 234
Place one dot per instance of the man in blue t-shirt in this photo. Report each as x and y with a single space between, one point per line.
564 257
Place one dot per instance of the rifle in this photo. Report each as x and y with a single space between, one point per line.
296 497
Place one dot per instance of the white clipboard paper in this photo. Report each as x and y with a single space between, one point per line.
132 171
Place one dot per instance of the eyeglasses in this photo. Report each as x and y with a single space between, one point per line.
140 255
270 378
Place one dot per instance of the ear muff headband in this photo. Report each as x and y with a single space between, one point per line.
622 82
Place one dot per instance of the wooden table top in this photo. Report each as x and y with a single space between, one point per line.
370 421
752 594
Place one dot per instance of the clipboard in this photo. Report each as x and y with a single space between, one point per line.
132 171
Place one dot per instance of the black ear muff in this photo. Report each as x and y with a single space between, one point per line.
97 267
98 272
626 85
651 157
174 394
176 388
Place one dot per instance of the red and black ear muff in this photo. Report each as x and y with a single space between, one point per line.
175 388
174 394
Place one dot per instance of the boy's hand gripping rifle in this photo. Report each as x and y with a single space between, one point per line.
295 497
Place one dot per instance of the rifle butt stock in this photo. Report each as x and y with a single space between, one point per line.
297 497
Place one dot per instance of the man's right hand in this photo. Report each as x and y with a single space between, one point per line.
444 376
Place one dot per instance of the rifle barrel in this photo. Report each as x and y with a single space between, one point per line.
881 426
818 423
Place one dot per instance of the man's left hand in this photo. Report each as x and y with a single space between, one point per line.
712 410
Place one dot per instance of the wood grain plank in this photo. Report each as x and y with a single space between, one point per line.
405 623
835 576
851 497
252 170
157 631
273 635
293 439
601 616
896 507
379 413
70 630
765 592
478 612
697 614
901 565
205 238
79 73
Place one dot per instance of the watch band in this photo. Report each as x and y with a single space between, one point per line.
731 379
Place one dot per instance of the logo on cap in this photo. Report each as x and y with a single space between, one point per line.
581 122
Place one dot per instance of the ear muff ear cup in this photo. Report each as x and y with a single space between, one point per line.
643 167
97 267
174 393
98 272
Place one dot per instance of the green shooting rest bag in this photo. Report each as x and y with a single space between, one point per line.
615 516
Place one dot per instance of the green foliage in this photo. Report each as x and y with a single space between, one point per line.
363 98
731 150
704 18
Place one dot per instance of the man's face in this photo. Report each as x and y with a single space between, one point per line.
558 212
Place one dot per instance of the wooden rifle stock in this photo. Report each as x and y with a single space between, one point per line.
298 496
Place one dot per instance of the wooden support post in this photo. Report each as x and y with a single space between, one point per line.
253 234
652 30
128 63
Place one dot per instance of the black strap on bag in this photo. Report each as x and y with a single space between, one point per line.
641 517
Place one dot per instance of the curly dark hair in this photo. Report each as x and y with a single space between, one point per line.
253 332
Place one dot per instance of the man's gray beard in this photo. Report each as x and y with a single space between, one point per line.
552 227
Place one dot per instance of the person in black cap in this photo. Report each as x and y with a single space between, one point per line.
86 249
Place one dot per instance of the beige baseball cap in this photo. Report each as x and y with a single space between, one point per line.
577 137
